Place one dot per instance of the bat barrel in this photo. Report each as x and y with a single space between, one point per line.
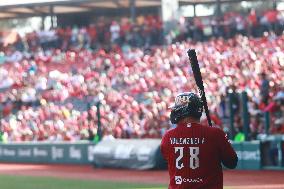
199 82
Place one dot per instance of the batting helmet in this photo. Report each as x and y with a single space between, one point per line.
186 104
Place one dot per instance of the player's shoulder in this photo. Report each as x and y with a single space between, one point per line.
169 132
166 136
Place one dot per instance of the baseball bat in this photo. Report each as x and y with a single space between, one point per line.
199 82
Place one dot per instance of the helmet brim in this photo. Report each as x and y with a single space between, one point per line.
172 106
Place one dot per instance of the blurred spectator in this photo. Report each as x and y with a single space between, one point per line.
235 100
264 88
115 32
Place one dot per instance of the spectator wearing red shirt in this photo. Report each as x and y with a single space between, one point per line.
253 23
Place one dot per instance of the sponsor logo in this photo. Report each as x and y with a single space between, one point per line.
249 155
24 152
179 180
75 153
144 153
123 151
39 152
8 152
56 153
188 125
91 153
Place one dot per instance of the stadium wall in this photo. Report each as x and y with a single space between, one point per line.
133 153
58 153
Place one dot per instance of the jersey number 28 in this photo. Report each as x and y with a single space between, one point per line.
193 157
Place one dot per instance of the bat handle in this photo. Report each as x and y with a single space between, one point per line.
205 105
208 117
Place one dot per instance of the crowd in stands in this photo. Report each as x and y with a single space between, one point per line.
135 88
146 32
50 94
254 23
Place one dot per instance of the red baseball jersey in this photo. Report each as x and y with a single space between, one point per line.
194 154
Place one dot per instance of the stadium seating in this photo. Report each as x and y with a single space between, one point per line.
45 91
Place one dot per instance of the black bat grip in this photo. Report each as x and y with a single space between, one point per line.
198 79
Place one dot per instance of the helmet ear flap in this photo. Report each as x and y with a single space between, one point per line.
179 113
195 109
174 117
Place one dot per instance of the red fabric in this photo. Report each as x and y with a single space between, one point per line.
262 106
270 107
253 19
271 16
7 110
214 149
216 120
92 32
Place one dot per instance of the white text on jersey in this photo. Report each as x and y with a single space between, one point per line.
195 140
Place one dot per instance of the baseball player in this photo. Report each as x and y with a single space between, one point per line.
195 152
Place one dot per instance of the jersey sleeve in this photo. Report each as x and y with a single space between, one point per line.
228 155
164 147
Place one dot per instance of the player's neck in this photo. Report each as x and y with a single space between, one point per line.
190 120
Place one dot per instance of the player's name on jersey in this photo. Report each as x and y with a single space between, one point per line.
194 140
